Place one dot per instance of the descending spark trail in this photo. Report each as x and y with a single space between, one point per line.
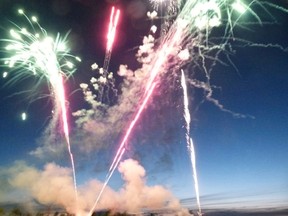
186 108
163 55
195 177
130 128
40 54
104 84
114 18
190 145
62 99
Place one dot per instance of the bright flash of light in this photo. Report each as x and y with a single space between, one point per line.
5 74
20 11
189 141
41 55
239 6
38 54
23 116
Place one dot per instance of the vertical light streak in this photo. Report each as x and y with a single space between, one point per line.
60 95
62 99
189 141
195 177
187 116
114 18
112 28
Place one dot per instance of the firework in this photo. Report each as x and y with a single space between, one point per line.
186 26
23 116
36 53
5 74
112 29
189 141
104 83
114 18
188 41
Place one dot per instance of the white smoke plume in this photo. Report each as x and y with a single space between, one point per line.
53 186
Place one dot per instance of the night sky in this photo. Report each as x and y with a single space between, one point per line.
241 162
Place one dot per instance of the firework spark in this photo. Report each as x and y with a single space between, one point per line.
5 74
23 116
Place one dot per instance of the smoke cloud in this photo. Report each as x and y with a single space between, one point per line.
53 186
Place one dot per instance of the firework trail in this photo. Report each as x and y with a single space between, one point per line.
163 55
189 141
105 78
40 54
162 58
195 177
62 100
114 18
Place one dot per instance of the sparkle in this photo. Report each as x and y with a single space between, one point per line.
239 6
5 74
23 116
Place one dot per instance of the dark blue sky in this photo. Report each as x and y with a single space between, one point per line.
240 161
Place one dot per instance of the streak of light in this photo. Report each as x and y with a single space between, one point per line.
190 144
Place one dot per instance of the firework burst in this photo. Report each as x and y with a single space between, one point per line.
38 54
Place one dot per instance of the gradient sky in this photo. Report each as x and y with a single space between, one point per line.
241 162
